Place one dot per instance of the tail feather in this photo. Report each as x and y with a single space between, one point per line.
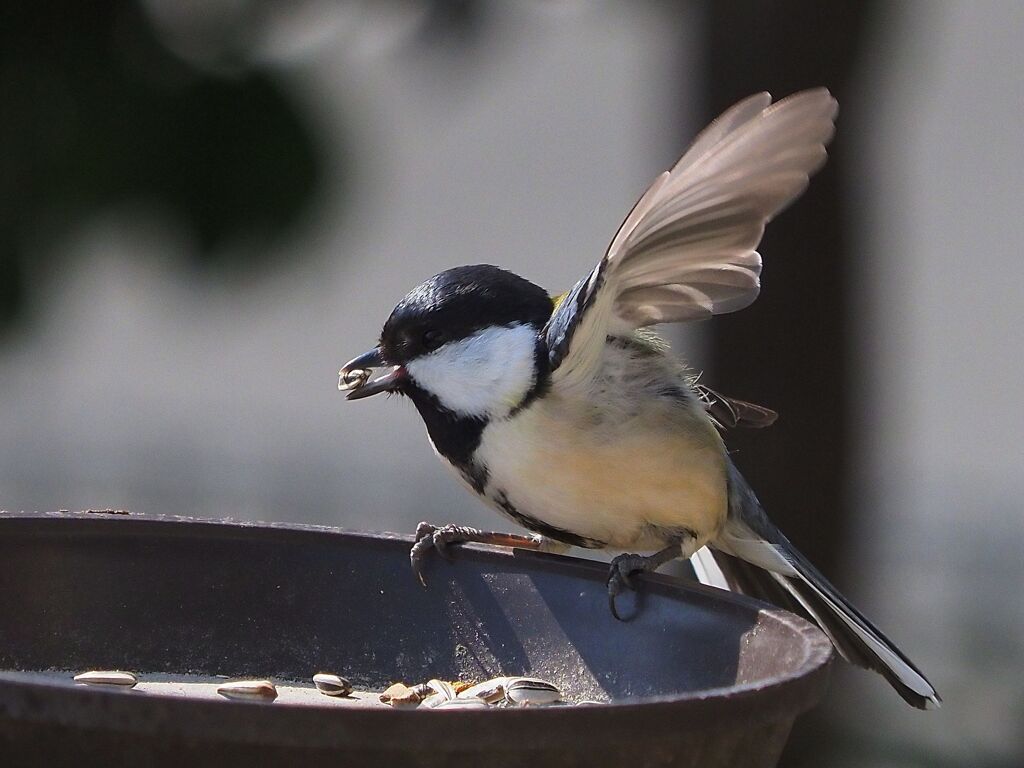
717 569
765 563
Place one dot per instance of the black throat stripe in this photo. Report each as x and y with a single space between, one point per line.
456 438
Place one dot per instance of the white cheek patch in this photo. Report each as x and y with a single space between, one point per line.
485 375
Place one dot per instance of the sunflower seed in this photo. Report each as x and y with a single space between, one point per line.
353 379
442 688
490 691
439 692
332 685
462 704
105 677
253 690
435 700
530 691
421 691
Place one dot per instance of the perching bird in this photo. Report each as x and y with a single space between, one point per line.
573 420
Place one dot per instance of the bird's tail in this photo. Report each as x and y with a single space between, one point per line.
788 578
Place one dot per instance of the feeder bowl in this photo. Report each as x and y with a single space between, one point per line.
697 677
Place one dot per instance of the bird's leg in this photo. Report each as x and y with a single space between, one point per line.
623 567
438 538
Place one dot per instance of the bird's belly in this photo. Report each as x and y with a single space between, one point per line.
630 485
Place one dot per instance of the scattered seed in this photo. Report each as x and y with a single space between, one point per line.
332 685
252 690
421 691
435 700
399 690
490 691
462 704
530 691
442 688
105 677
401 694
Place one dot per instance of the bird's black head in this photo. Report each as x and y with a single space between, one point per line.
457 304
467 338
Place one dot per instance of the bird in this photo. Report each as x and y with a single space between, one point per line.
572 418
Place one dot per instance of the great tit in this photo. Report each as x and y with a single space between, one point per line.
571 418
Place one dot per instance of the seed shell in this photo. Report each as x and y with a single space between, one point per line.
462 704
490 691
250 690
442 688
332 685
400 694
107 677
531 691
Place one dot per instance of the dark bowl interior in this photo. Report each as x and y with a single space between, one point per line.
695 669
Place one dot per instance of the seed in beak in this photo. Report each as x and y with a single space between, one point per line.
352 379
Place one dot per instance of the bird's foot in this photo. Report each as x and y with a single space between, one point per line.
623 567
439 538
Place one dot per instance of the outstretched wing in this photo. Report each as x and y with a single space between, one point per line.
687 249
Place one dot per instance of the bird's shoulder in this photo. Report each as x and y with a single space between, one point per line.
642 362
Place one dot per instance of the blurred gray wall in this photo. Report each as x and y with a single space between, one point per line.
939 558
143 389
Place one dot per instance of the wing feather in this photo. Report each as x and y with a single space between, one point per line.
687 249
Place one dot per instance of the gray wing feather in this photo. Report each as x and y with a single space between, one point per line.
709 215
687 249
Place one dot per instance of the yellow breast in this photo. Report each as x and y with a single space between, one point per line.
626 481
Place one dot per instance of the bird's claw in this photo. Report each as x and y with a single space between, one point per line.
438 538
620 579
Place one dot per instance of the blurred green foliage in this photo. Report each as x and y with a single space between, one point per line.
95 111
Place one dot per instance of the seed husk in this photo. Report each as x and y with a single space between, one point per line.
438 692
251 690
400 694
442 688
490 691
435 700
531 691
462 704
332 685
107 677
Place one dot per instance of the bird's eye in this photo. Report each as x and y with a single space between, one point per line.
433 339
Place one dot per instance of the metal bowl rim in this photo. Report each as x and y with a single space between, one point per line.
802 686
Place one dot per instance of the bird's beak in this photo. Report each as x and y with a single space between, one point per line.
354 376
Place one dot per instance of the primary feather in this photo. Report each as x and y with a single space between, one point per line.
687 249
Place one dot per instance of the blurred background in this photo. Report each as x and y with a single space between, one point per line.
208 206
